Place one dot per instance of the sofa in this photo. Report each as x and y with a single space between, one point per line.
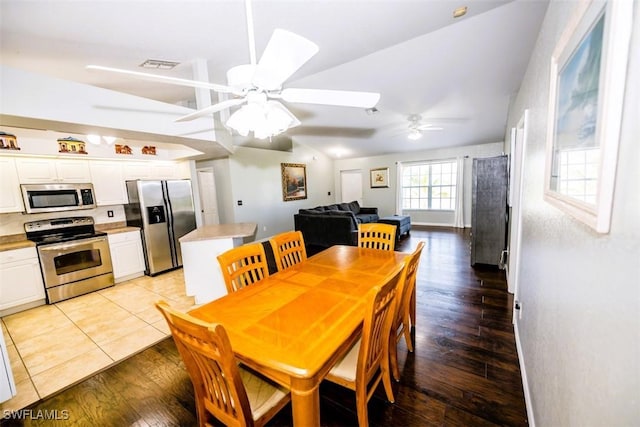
337 224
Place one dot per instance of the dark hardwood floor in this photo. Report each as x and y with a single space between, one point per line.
464 371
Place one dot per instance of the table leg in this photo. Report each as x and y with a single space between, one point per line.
305 403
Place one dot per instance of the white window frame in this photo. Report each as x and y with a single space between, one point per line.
425 193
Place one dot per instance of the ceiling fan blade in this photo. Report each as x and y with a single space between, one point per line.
285 53
212 109
428 127
331 97
164 79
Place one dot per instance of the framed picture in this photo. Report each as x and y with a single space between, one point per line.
380 178
294 181
588 74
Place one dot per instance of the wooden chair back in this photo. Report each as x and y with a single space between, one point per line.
377 236
243 265
374 348
206 352
402 317
288 249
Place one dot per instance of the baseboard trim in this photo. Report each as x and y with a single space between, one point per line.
437 224
523 374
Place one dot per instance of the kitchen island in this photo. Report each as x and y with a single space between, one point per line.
200 248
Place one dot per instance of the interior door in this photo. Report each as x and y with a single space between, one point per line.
351 186
208 196
516 208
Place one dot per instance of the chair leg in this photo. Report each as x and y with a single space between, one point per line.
393 358
361 406
386 380
413 308
406 331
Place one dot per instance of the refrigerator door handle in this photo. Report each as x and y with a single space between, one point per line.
170 224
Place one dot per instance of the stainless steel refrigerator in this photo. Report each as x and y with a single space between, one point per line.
164 212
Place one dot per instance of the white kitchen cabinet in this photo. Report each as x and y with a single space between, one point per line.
21 285
10 196
39 170
127 256
136 170
7 385
108 183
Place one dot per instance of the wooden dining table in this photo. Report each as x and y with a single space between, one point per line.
294 325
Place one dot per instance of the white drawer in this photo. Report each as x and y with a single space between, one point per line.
18 254
115 238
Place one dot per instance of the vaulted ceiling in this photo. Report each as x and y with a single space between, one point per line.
459 74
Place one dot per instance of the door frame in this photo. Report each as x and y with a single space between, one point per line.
520 148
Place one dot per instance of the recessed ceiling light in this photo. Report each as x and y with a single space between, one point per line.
159 64
461 11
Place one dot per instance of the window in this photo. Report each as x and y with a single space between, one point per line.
429 185
578 173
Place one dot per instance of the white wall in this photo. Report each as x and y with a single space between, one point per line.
384 198
253 175
580 291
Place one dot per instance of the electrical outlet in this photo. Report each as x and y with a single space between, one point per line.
239 202
110 214
518 307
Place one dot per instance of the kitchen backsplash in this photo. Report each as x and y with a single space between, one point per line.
13 223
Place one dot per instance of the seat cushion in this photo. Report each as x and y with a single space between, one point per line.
347 366
263 395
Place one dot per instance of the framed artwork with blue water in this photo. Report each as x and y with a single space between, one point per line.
585 107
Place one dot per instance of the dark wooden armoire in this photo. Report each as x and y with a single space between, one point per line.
490 184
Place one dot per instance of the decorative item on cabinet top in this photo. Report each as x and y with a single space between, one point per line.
71 145
8 141
149 149
123 149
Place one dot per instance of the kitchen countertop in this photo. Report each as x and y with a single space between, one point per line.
117 230
221 231
19 241
17 244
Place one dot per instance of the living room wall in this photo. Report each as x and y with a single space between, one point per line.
579 290
253 175
384 198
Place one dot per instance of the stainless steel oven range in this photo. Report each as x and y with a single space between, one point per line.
74 258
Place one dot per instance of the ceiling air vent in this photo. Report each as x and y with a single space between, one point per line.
159 64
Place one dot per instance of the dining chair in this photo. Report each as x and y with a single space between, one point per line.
402 322
243 265
223 388
288 249
376 235
367 362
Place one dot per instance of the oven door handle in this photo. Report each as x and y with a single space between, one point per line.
72 244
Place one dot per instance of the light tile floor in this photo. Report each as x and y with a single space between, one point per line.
54 346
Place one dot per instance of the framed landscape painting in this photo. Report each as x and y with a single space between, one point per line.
294 181
588 74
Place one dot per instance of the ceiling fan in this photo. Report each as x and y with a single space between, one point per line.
416 127
257 86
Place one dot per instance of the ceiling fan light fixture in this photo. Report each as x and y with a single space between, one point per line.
264 119
414 134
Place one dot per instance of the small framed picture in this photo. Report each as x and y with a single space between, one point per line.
380 178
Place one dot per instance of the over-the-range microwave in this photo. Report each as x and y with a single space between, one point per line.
57 197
